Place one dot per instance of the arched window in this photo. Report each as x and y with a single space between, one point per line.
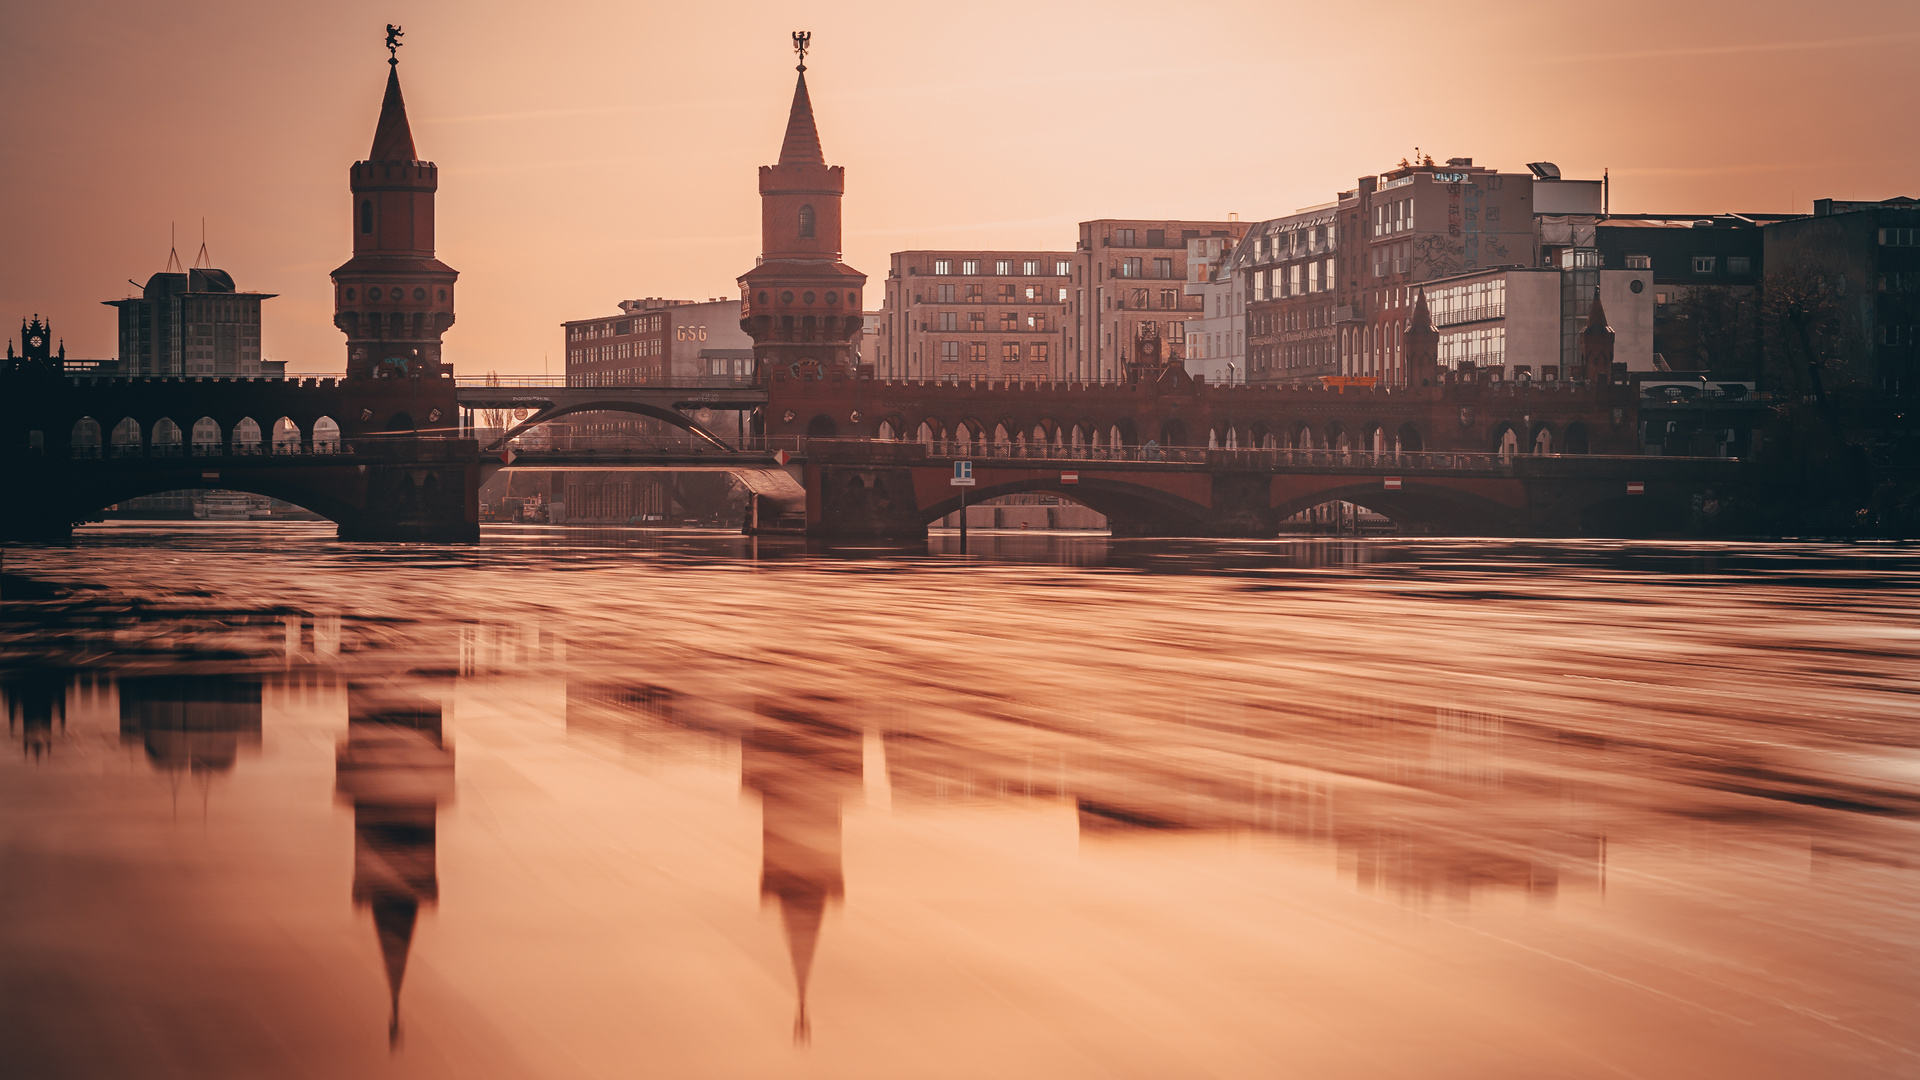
806 222
206 437
366 215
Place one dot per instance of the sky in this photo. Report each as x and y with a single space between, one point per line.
596 151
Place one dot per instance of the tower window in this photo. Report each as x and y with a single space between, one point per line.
806 221
366 215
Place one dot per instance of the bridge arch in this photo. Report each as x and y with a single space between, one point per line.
822 427
206 437
166 438
246 437
1124 433
1542 440
1418 506
1173 432
127 440
286 436
637 408
1131 509
326 435
1506 438
1300 435
1408 439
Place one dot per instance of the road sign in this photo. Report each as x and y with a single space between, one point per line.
1636 487
963 474
781 457
1393 483
507 455
1069 477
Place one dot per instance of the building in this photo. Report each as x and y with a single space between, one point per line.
393 299
961 315
1129 281
1706 274
1288 271
1217 337
655 340
801 304
1510 321
191 323
1869 253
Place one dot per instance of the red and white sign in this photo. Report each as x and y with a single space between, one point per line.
1636 487
1069 477
781 457
507 455
1393 483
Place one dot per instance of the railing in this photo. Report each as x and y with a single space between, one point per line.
285 376
559 382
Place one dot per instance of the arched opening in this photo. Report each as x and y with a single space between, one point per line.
246 436
822 427
1213 438
206 437
126 438
1338 517
928 434
166 438
400 422
286 436
1301 436
963 436
85 439
1506 441
1376 441
366 215
886 430
1543 440
1124 433
1233 437
1408 440
326 436
806 222
1173 432
1575 441
1337 438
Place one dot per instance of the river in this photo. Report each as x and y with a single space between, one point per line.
580 803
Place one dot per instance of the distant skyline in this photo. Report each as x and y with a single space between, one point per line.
600 152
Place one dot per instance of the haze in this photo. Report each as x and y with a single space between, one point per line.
603 151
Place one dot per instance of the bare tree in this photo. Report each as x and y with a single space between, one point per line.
1808 338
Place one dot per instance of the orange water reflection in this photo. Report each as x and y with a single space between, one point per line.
1150 810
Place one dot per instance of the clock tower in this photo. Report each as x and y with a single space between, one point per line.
393 299
801 304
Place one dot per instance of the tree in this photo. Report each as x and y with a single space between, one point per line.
1712 328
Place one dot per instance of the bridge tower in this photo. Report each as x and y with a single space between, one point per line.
393 299
800 303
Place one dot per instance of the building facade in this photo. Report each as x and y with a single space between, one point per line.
1129 282
191 323
1706 272
1869 253
1288 268
659 341
1217 336
962 315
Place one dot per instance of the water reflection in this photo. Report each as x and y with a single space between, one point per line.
35 701
396 770
192 725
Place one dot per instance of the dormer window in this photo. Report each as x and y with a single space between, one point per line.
806 222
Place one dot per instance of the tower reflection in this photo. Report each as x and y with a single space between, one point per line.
33 700
396 769
190 725
801 765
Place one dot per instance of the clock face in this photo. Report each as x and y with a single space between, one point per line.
36 341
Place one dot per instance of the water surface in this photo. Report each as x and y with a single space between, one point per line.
609 803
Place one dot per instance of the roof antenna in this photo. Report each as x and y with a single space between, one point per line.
203 257
173 252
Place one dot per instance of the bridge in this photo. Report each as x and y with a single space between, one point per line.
545 400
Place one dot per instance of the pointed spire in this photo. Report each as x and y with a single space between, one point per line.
802 144
1422 320
393 920
393 139
1597 319
802 912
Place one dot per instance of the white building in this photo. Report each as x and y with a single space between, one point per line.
1518 319
1216 347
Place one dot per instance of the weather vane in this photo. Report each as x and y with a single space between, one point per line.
800 40
394 35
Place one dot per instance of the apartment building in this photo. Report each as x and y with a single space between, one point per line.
656 340
1217 336
1289 268
1127 274
961 315
192 323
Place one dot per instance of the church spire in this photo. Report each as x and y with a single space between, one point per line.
393 138
802 144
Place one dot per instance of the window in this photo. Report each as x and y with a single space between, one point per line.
946 294
1009 321
970 268
976 321
1313 277
1130 267
1037 352
1030 267
1037 322
975 293
1063 296
1739 264
977 352
1010 352
949 352
366 215
806 222
1703 264
943 266
1123 238
1177 332
1169 300
1156 238
1163 268
1003 267
1639 262
949 320
1899 237
1062 268
1139 299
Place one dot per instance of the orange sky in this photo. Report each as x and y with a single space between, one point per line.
596 151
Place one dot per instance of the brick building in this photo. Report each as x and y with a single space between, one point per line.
1128 274
956 315
654 340
1288 268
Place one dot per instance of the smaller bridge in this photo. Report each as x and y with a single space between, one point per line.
546 400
